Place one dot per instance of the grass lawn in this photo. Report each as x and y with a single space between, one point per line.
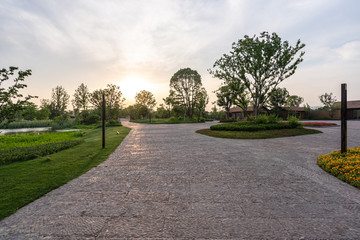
276 133
164 121
345 167
24 182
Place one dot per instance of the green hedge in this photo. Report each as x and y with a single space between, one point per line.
31 152
251 126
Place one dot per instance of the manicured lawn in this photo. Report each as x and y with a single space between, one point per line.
164 121
276 133
24 182
345 167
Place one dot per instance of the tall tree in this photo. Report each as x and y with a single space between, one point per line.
202 99
277 99
260 63
224 98
294 101
11 100
327 100
146 99
114 101
113 98
81 97
59 101
186 83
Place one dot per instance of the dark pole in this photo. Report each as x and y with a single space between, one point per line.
343 118
103 121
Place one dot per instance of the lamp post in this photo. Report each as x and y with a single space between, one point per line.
103 121
343 118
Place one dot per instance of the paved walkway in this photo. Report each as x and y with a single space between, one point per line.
165 181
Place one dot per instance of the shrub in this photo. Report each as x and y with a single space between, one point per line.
31 152
113 123
272 118
293 121
172 119
227 120
262 118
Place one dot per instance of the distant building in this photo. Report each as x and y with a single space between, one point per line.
353 109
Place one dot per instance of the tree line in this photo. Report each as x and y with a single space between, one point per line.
187 98
251 74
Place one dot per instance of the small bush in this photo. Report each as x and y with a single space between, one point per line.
172 119
31 152
113 123
261 119
293 121
272 118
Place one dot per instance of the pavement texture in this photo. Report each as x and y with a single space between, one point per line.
166 181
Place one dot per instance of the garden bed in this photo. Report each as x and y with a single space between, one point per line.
277 133
344 166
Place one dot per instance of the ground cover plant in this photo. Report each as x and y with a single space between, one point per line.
344 166
171 120
28 146
23 182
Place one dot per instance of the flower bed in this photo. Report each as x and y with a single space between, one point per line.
318 124
345 166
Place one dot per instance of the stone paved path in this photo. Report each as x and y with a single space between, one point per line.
165 181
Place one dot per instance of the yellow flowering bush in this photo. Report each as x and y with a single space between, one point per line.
344 166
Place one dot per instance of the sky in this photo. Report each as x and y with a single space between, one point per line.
139 45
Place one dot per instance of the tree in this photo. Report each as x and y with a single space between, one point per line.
202 99
29 112
113 98
277 99
146 99
114 101
260 64
59 101
327 100
224 98
11 100
81 98
186 84
294 101
96 99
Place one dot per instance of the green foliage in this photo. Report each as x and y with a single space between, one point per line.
328 100
187 89
260 64
113 123
62 123
9 142
261 119
251 126
29 124
11 100
294 101
293 121
31 152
